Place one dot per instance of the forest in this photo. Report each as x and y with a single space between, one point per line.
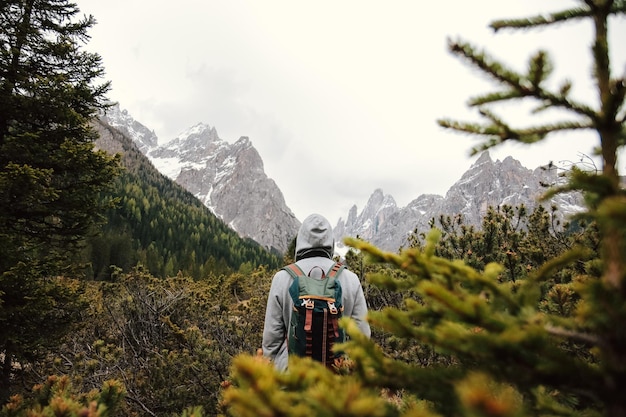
160 225
120 295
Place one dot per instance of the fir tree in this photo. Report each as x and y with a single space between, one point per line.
50 174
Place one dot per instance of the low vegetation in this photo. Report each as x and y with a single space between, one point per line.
106 311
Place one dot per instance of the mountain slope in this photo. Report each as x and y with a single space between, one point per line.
228 179
163 226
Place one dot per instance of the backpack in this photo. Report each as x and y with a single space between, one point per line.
314 327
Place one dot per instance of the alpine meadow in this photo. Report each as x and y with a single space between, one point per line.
121 294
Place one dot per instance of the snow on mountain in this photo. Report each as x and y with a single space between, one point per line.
228 179
143 137
486 183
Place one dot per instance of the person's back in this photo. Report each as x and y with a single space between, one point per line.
314 252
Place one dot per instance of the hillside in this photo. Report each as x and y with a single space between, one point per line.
229 179
162 226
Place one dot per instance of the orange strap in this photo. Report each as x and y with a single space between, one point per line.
308 320
335 269
331 273
295 269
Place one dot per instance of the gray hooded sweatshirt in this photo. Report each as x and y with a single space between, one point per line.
314 248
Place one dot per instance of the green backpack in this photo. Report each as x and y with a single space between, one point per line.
314 327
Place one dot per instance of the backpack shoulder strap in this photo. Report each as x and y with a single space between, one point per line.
335 270
294 270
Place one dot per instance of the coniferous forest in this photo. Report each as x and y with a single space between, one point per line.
121 295
165 228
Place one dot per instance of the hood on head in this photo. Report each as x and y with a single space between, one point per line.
315 238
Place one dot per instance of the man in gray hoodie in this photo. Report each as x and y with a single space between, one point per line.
315 247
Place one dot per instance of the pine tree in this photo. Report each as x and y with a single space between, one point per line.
507 350
50 174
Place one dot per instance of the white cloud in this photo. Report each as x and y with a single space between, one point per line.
339 98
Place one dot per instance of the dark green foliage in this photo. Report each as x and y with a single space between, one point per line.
165 228
50 175
522 316
55 191
520 241
290 256
32 304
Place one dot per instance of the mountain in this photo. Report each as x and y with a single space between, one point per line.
159 224
486 183
230 180
227 178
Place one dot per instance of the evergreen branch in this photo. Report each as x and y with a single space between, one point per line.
528 135
521 86
539 68
466 308
540 20
561 100
485 63
502 129
493 97
467 127
541 107
498 131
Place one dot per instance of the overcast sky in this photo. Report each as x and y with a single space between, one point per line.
339 97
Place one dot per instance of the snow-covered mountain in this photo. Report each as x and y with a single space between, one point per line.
144 138
486 183
227 178
230 180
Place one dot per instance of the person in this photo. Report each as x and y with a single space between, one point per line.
315 247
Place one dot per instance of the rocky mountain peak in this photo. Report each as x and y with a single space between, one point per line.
366 225
490 183
194 145
486 183
484 158
228 179
200 134
143 137
243 142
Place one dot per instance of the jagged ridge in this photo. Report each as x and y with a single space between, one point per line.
229 179
486 183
